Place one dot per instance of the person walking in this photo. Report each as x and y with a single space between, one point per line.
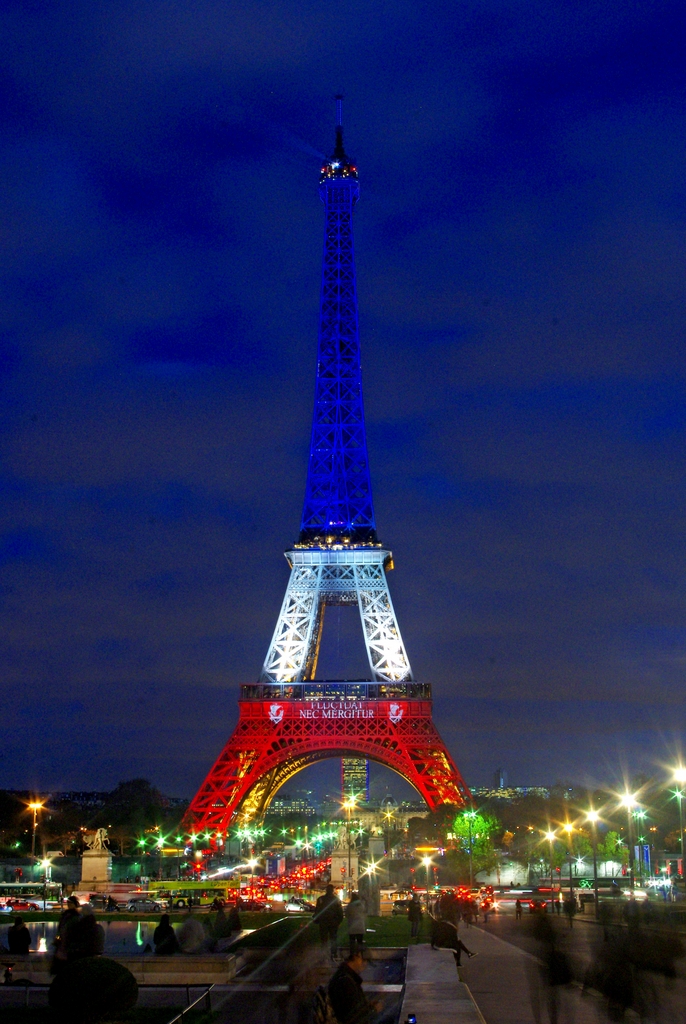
348 1002
164 938
18 937
356 916
414 916
86 937
328 914
518 910
69 919
234 919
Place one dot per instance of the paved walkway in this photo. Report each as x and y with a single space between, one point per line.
505 984
433 992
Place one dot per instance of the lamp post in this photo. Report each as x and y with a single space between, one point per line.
349 805
629 801
550 836
251 864
470 815
569 829
680 779
639 817
593 818
35 807
427 864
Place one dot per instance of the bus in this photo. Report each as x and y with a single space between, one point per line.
184 893
38 895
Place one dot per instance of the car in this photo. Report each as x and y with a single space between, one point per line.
296 905
144 906
538 907
15 906
400 907
253 906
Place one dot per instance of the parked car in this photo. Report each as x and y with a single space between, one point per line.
296 905
254 906
144 906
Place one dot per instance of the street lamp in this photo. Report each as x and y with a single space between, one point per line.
550 836
629 801
349 806
639 817
470 816
35 807
680 778
427 862
252 863
569 829
593 817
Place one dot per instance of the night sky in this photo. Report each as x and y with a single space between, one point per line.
520 246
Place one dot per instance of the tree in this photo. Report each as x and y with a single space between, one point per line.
480 829
136 805
612 848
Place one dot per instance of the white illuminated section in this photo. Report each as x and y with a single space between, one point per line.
336 576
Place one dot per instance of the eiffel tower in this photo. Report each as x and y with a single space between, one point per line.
289 719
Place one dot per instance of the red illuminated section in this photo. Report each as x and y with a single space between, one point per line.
275 739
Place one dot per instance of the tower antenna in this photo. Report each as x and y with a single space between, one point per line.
339 111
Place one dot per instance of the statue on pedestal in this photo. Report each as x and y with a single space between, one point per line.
97 840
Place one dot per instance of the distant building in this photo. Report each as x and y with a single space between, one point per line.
355 779
285 806
510 792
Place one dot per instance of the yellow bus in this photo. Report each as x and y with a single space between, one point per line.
184 893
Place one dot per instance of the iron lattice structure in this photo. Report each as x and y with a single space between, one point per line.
287 721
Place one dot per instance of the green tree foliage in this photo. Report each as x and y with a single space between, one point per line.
485 829
612 848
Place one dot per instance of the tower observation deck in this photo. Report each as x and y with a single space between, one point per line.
289 719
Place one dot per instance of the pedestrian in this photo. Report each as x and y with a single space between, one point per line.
518 910
67 922
328 914
86 937
414 916
191 935
234 919
570 909
444 935
631 913
349 1003
164 938
18 937
356 916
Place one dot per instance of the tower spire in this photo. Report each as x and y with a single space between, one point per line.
339 151
338 503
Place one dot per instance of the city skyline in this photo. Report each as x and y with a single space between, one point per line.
520 249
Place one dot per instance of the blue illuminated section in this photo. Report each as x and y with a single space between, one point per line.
338 498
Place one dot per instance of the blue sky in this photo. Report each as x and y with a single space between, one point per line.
520 252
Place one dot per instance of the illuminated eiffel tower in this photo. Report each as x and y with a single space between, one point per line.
289 720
